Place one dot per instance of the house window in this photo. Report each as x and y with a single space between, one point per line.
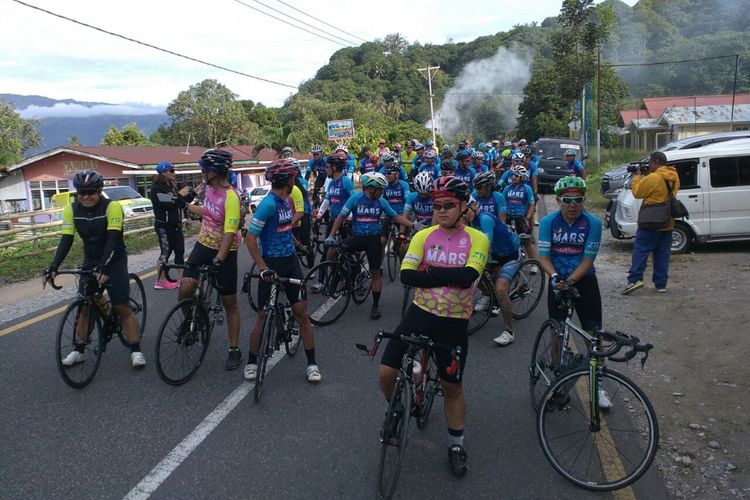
43 191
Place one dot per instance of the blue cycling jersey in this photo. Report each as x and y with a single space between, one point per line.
433 169
366 213
466 175
421 206
518 198
272 223
493 204
395 195
318 165
401 174
534 166
568 244
482 167
338 193
575 167
367 167
503 241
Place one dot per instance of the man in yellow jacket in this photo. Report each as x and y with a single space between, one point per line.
651 187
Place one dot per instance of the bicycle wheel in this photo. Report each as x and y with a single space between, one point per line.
605 456
137 302
265 351
407 299
182 342
391 256
545 359
81 373
252 288
292 337
527 288
361 286
429 390
394 439
331 301
484 295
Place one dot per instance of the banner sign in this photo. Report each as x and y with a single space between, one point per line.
340 129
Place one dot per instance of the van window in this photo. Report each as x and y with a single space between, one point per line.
728 172
687 171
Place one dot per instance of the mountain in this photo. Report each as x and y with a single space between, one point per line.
24 101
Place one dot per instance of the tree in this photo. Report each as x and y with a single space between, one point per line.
130 135
209 114
16 135
74 141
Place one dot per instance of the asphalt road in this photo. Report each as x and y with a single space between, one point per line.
299 441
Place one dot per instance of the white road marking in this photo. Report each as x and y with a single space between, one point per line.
327 305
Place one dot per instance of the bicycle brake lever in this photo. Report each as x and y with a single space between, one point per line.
646 349
362 347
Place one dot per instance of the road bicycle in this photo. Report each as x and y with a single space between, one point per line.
253 277
344 278
417 386
184 334
596 427
90 322
393 247
279 325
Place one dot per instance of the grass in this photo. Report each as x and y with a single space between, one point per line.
610 158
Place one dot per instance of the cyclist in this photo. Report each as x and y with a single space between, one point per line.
417 163
568 243
98 221
366 208
351 162
478 163
504 247
407 156
217 243
301 219
365 158
395 194
447 157
382 148
272 225
420 202
464 170
531 163
287 152
389 160
429 163
520 208
318 165
574 166
371 164
487 199
443 263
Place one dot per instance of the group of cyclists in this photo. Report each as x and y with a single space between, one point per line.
456 213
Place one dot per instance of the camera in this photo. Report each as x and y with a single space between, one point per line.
635 167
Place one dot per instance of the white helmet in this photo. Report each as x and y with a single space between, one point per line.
423 182
519 171
374 179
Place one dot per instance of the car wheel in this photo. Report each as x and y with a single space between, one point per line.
614 229
682 238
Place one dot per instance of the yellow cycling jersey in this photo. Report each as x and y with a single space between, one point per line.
298 203
433 246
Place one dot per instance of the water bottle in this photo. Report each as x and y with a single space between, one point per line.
416 372
102 303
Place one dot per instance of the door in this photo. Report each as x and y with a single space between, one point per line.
729 195
691 193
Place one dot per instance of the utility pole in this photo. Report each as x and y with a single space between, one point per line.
430 70
598 106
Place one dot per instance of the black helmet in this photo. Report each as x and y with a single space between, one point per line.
88 179
449 186
217 161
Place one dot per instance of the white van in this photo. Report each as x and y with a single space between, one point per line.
715 188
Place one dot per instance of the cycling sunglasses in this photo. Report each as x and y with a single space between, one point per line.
437 207
87 192
572 200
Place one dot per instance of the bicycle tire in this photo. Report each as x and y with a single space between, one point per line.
527 288
625 430
186 330
393 447
137 302
252 288
408 296
430 386
265 351
480 318
361 286
543 369
328 305
291 342
391 256
80 374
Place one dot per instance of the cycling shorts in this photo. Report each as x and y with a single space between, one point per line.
320 179
447 331
370 245
227 279
286 267
507 266
588 306
118 282
521 225
385 226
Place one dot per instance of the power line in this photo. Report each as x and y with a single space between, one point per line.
321 21
290 24
167 51
303 22
623 65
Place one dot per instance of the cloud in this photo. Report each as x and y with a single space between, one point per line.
77 110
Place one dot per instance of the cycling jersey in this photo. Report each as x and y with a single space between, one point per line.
338 193
93 225
406 160
366 167
568 244
467 175
221 215
298 202
493 204
421 206
302 184
318 165
503 241
366 213
433 246
482 167
401 174
433 169
575 167
518 198
272 223
395 195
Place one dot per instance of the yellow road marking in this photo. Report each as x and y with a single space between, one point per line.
54 312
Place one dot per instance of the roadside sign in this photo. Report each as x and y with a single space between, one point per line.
340 129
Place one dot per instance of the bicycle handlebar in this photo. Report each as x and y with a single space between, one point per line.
418 341
621 340
279 279
78 272
165 268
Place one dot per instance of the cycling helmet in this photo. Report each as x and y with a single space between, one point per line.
570 182
484 179
518 157
519 171
342 147
570 152
423 183
481 146
430 153
496 142
294 162
448 166
477 155
522 141
317 149
396 147
506 153
418 145
392 169
462 155
88 179
453 187
527 151
374 179
338 160
217 161
461 144
428 143
280 170
507 144
287 149
447 153
388 157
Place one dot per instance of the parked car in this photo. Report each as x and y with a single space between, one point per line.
614 180
552 165
257 194
715 188
131 200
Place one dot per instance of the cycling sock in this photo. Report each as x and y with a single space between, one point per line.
455 437
80 348
136 347
252 359
376 298
310 353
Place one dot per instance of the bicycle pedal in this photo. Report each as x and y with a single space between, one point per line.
439 393
219 320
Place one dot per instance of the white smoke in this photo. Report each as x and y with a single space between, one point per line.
483 102
78 110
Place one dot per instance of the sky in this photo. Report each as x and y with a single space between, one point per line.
44 55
